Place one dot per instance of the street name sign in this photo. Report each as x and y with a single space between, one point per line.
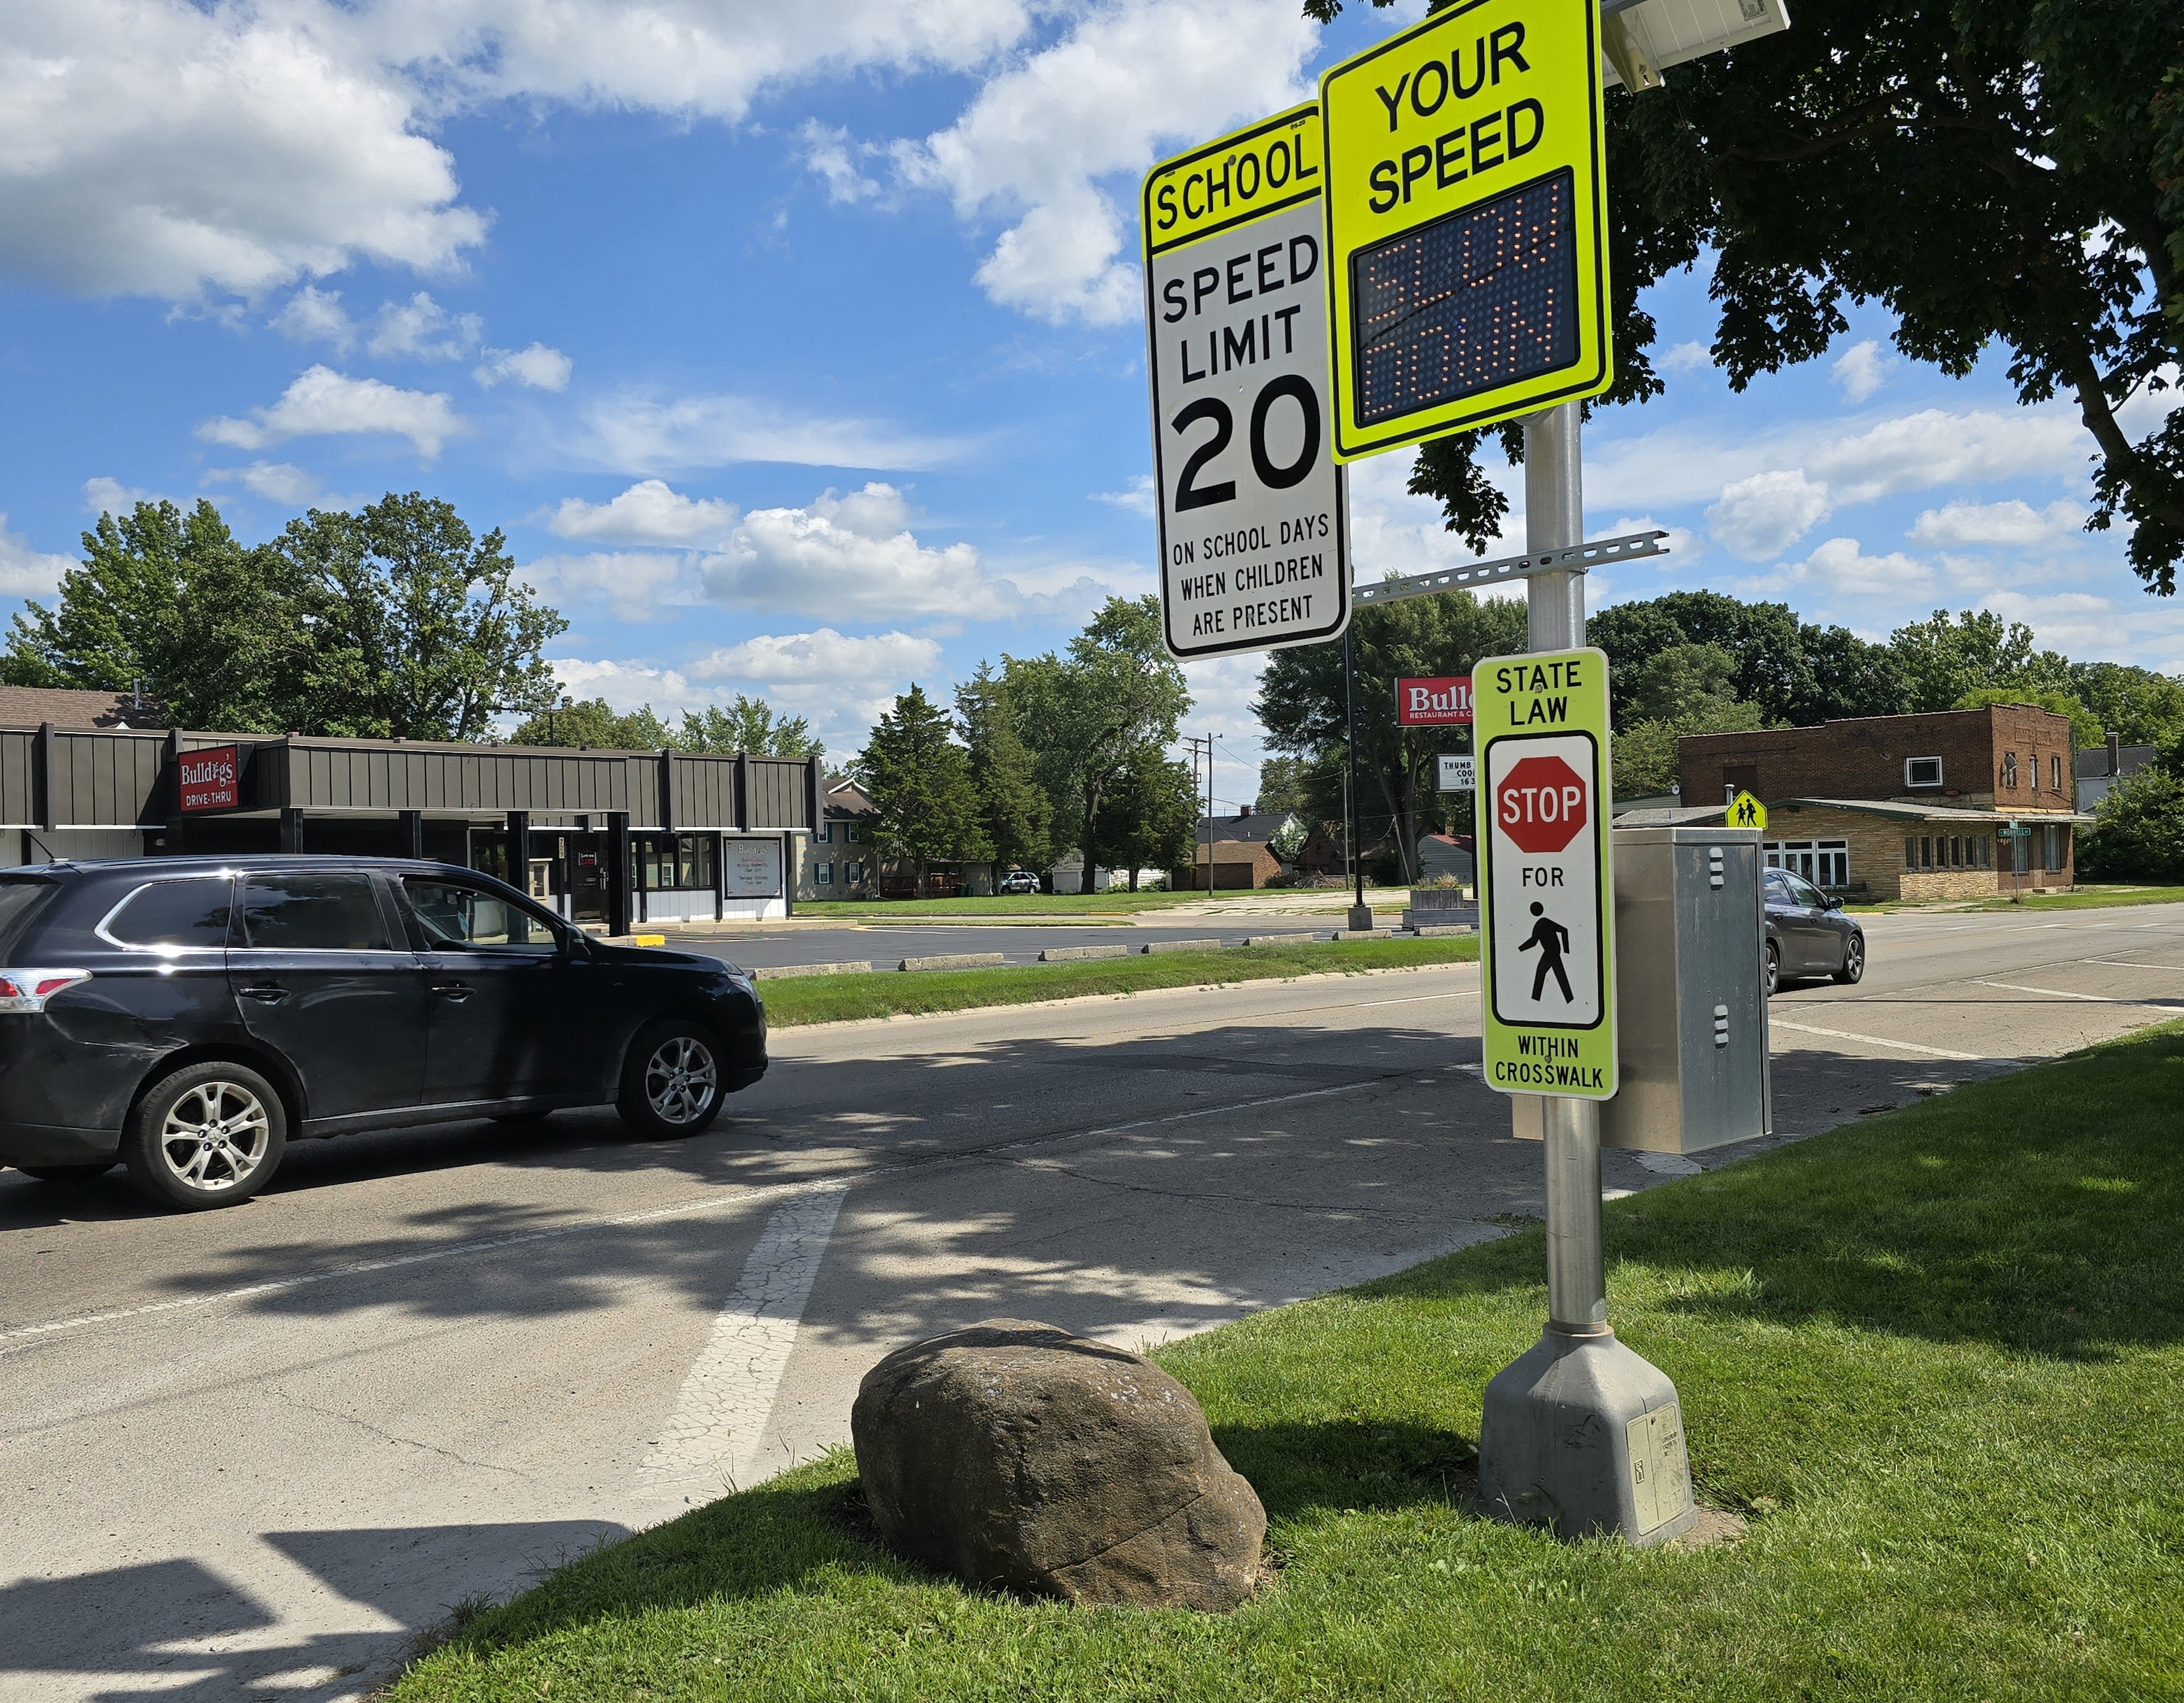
1744 810
1435 701
1546 884
1254 522
1466 222
1459 774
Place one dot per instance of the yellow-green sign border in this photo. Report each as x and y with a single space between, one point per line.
1608 1024
1446 419
1161 169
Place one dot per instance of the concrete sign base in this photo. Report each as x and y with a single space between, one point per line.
1584 1435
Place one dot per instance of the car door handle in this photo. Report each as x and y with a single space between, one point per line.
265 992
457 991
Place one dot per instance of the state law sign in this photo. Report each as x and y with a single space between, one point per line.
1545 887
1254 521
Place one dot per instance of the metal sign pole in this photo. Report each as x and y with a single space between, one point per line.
1554 519
1360 916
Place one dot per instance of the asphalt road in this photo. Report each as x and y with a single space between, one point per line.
254 1452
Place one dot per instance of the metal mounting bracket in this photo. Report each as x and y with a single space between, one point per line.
1627 548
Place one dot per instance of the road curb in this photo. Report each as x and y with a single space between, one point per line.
1152 947
857 967
957 961
1070 954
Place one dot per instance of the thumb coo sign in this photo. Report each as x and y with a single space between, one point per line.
210 780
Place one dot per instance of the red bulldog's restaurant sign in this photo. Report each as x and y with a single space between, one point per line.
212 779
1439 701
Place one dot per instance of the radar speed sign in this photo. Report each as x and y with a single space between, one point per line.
1253 524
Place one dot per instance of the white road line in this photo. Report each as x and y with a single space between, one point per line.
2122 963
1416 999
2057 993
1774 1021
711 1441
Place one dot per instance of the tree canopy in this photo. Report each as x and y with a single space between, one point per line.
925 806
1991 171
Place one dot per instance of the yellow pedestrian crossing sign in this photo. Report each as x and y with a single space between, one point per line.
1466 222
1746 812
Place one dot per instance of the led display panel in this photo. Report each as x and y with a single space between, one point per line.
1476 299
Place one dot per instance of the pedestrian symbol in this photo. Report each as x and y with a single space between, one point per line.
1552 940
1746 812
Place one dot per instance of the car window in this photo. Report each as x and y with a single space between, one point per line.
174 915
1778 888
1804 891
18 899
312 913
459 919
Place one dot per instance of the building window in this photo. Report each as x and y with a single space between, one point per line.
2058 848
2055 773
1925 851
1922 771
1985 850
825 834
848 832
1824 862
852 874
824 874
1910 854
673 861
2009 770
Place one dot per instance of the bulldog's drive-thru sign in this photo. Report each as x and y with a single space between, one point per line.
1253 525
210 780
1438 700
1545 918
1466 222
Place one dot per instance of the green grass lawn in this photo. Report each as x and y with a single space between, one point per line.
888 993
1933 1359
1000 905
2085 899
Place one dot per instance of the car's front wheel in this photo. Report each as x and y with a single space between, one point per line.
1774 970
671 1082
209 1135
1853 963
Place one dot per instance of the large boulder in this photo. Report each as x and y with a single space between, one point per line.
1016 1454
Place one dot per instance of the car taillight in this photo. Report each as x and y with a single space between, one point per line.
28 990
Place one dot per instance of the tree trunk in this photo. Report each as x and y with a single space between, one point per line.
1134 875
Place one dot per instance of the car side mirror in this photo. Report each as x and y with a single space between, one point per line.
1835 901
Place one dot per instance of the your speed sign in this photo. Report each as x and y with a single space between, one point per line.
1253 524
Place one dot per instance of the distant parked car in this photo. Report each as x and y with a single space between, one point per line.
1019 881
190 1016
1807 933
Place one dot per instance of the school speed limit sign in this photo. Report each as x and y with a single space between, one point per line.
1545 887
1253 524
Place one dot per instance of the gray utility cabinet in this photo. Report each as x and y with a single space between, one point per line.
1690 995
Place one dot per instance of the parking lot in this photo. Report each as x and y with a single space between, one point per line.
254 1452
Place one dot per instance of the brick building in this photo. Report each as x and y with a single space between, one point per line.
1904 807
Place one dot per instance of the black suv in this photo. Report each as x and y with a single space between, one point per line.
188 1015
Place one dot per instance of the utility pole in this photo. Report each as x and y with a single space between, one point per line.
1195 741
1360 914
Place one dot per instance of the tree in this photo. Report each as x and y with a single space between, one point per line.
1797 674
1647 762
1092 715
2085 726
2011 171
2136 705
596 724
1685 680
1945 658
418 629
747 725
1301 705
172 602
1150 817
1287 841
919 780
1014 813
2138 831
1282 787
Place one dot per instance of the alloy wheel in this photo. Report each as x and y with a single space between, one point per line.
680 1080
214 1136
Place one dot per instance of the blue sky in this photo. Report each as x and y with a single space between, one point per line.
798 350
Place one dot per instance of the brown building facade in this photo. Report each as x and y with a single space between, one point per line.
1904 807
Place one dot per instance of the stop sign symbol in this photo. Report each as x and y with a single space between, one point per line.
1541 804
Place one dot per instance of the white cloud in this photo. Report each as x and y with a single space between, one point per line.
1840 565
1137 498
164 148
632 434
24 571
2014 523
851 554
1394 532
1688 357
1762 515
649 511
315 315
279 482
638 585
104 496
323 402
1037 139
1861 370
421 329
823 657
538 366
831 153
626 686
